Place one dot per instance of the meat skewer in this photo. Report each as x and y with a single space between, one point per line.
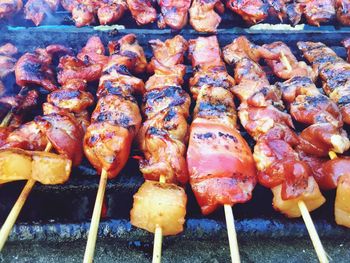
115 120
59 129
335 75
279 166
221 166
10 7
160 204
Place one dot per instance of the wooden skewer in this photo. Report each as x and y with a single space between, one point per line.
158 237
95 221
6 121
285 61
321 253
16 209
332 155
232 236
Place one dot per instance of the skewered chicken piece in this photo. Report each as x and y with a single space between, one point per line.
85 11
174 13
294 12
65 112
36 69
308 106
279 166
116 118
333 71
220 163
111 11
252 11
278 8
142 11
10 7
37 10
203 15
163 138
343 11
346 44
317 12
7 62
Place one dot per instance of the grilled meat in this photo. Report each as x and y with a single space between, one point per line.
36 69
174 13
7 62
37 10
10 7
297 68
294 12
203 17
116 118
142 11
334 73
260 112
163 136
252 11
317 12
220 163
111 11
343 11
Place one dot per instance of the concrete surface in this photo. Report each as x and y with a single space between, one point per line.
263 250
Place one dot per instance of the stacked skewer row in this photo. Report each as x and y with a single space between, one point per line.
204 16
210 153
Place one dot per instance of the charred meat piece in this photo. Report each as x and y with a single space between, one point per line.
334 73
93 52
83 14
36 69
252 11
203 15
69 4
318 11
174 13
278 8
116 118
142 11
164 133
10 7
7 62
294 12
111 11
343 11
37 10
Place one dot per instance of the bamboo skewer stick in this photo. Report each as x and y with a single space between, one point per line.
285 61
95 221
6 121
232 236
158 237
321 253
16 209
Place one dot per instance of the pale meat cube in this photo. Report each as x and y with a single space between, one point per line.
15 165
159 204
342 201
50 168
312 197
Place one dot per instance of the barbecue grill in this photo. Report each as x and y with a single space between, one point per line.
59 215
